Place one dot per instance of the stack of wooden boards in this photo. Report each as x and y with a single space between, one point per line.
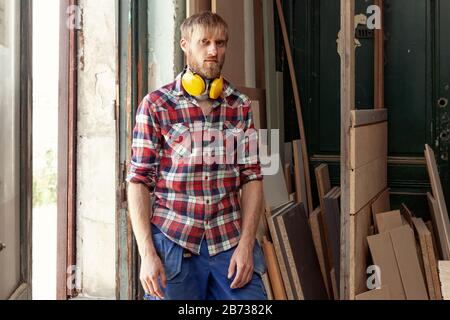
301 247
393 254
407 250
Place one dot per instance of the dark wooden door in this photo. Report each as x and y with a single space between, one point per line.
417 75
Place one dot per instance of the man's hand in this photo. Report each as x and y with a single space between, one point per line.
152 269
242 260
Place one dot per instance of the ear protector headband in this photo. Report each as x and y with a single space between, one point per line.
195 85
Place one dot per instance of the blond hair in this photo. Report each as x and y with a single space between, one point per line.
207 20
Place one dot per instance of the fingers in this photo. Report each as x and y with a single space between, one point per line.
157 292
243 276
231 268
145 286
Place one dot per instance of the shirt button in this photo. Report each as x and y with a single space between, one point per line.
206 177
207 201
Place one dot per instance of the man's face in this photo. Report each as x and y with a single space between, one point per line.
205 52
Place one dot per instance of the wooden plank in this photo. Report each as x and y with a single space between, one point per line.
275 191
280 251
383 256
323 187
442 218
334 284
389 220
366 182
379 60
444 278
405 251
267 286
290 262
259 43
232 11
332 220
258 98
287 176
381 204
299 171
301 254
197 6
429 225
437 226
429 258
273 270
382 293
368 144
297 103
316 230
368 117
407 214
360 225
323 183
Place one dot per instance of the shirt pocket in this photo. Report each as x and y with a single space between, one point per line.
178 139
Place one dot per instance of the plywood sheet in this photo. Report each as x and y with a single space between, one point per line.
366 182
375 294
381 204
360 225
388 220
405 250
383 255
317 231
368 143
302 257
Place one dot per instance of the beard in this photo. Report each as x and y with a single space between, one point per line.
208 70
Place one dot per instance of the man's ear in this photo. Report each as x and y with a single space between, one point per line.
184 45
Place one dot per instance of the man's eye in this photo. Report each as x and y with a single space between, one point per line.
220 43
204 41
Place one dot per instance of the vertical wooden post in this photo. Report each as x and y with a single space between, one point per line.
347 104
379 61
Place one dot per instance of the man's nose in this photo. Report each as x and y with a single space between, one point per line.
212 50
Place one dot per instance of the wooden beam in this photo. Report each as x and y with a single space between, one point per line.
441 215
273 270
297 103
347 105
379 60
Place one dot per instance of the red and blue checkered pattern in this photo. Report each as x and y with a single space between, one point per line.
193 199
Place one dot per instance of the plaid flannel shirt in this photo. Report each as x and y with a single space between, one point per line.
173 155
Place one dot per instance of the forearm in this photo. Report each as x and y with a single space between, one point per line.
251 211
140 213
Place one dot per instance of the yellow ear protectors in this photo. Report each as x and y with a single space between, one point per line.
195 85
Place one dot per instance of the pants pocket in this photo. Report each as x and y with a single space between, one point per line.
171 255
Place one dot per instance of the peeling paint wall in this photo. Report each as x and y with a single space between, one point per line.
96 149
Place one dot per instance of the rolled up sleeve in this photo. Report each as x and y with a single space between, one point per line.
145 147
250 168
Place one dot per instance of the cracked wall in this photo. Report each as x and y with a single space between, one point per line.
96 149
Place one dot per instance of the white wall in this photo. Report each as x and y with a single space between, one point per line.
165 56
96 203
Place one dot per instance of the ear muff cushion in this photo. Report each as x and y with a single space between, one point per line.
193 84
216 88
